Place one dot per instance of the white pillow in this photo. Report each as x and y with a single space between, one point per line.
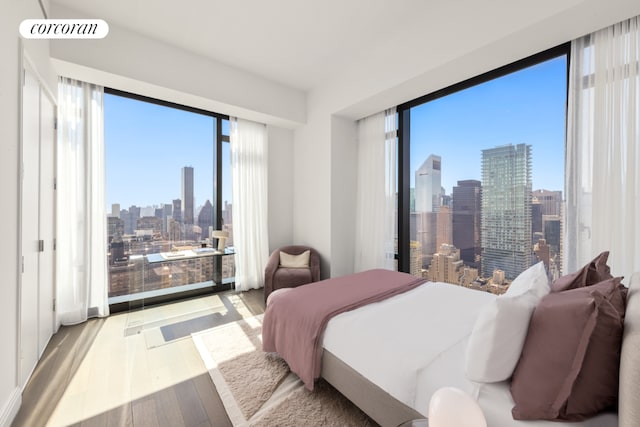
534 278
501 328
295 261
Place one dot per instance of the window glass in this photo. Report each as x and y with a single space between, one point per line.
161 197
486 180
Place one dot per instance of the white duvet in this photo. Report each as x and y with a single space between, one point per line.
414 343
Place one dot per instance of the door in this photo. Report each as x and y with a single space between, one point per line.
47 221
37 226
29 225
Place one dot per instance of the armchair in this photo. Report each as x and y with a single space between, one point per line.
276 276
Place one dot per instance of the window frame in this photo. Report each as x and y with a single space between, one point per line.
404 132
218 140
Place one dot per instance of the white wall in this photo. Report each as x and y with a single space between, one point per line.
10 91
280 187
343 194
325 156
312 185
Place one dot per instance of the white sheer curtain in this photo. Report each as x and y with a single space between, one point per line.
603 149
376 192
249 163
81 266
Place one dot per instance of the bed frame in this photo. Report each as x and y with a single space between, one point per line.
388 411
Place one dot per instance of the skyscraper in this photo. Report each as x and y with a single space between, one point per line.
444 235
446 265
536 217
429 185
187 195
167 211
130 217
551 201
467 205
428 192
177 210
506 210
205 218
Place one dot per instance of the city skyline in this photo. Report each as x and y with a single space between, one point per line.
146 147
177 204
493 224
527 106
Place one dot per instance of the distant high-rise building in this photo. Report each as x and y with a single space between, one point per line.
536 216
446 265
551 201
177 210
428 198
116 251
415 258
115 227
149 223
466 220
205 218
187 195
147 211
428 192
541 250
227 213
444 235
424 226
174 230
446 200
506 210
553 231
498 277
167 212
115 210
469 275
130 217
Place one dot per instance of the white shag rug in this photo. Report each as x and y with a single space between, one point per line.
257 388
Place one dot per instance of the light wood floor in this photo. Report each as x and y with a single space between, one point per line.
134 369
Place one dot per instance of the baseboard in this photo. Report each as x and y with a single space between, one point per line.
11 408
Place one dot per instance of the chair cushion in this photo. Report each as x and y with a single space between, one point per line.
294 261
291 277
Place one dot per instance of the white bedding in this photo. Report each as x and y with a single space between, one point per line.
390 341
413 344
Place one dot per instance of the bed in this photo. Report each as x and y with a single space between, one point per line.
393 383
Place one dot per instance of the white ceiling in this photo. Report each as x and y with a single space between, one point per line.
301 43
306 43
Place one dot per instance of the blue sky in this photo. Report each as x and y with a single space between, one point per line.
527 106
147 145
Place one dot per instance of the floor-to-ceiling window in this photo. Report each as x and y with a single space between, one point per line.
483 175
168 188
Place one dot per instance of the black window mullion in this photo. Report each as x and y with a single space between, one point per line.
217 185
404 130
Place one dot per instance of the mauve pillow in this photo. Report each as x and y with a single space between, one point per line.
595 271
571 358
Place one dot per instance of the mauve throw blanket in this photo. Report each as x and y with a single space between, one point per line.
294 321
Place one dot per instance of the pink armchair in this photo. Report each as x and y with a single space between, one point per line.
276 277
